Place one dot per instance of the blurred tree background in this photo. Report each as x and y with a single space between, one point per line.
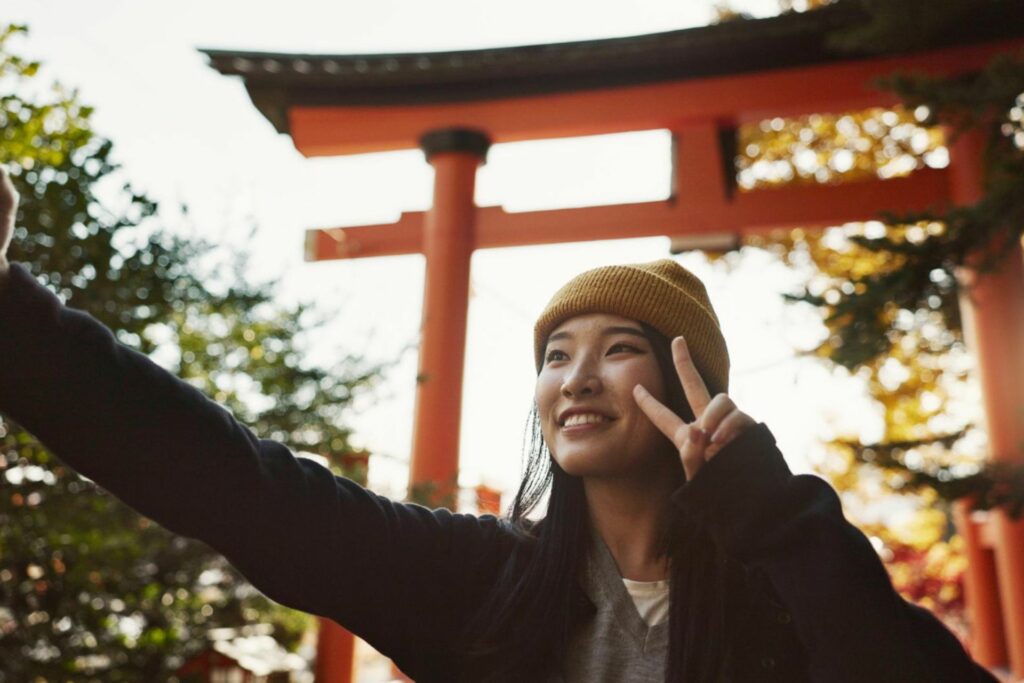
89 590
887 292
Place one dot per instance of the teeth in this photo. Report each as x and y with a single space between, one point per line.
584 418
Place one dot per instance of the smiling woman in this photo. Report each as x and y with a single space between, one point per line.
676 545
590 419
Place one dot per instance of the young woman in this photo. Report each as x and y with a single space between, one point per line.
676 546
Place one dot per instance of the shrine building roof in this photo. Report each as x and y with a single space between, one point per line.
276 82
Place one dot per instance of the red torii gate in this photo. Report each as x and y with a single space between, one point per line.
699 84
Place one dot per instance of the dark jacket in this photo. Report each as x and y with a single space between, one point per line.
406 579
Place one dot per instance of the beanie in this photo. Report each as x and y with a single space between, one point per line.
662 293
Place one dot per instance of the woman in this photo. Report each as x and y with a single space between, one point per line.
658 485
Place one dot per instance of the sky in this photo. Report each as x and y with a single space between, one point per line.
186 134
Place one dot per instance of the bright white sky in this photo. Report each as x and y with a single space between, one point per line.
186 134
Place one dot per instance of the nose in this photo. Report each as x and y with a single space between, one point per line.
581 381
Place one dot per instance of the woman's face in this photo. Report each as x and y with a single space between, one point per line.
590 366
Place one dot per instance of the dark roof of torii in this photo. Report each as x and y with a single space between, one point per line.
278 81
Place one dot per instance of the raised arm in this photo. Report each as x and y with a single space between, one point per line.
791 530
399 575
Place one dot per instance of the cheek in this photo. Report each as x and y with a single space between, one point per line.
546 390
545 395
627 377
651 379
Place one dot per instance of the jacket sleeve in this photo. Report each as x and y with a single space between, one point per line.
853 625
399 575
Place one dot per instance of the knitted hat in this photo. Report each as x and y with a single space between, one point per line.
662 294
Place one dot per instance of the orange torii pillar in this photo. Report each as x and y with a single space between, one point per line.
335 653
488 500
336 645
992 307
448 242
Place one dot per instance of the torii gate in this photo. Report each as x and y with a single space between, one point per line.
699 84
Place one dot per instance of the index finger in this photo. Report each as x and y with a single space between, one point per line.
693 384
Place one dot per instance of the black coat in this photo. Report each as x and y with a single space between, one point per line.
819 604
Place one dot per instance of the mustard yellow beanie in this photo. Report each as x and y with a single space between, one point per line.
662 294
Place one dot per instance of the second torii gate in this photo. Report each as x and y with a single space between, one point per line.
700 84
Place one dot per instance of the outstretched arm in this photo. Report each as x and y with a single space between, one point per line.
399 575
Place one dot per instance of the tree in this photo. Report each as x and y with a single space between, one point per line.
886 290
89 590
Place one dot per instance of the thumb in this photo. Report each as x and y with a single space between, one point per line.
692 452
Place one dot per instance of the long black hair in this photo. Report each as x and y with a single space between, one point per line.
523 628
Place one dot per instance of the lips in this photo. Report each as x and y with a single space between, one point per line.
584 419
588 415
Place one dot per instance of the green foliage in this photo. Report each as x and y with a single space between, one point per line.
894 296
89 590
999 484
974 235
887 290
923 261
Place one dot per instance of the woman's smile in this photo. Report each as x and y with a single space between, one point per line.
585 424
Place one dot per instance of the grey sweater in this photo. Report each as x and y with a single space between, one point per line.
615 645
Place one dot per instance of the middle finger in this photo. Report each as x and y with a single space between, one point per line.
720 406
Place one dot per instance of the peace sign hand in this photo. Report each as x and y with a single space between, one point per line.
718 420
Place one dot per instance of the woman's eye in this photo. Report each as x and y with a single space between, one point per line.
620 345
555 354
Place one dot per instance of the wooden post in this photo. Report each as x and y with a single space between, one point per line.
488 500
335 645
701 172
448 247
399 675
335 653
981 590
992 309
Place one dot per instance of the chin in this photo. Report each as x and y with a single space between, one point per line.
610 464
586 465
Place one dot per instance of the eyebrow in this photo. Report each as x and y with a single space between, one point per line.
604 333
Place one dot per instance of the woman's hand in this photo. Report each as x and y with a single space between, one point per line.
718 420
8 207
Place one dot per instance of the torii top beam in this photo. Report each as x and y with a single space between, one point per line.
730 72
